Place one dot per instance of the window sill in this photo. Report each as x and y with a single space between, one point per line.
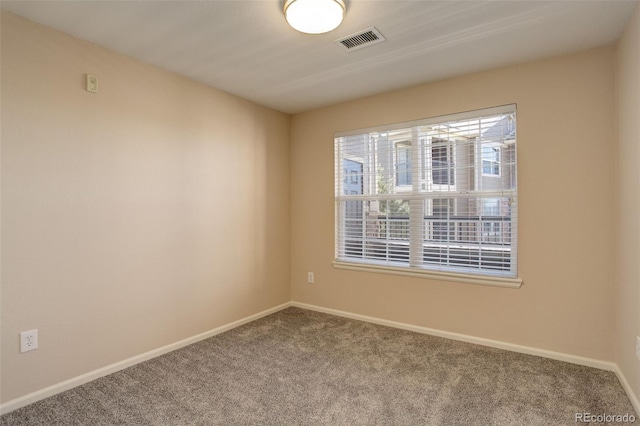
433 275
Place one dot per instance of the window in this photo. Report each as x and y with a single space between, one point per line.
442 167
426 199
403 163
491 161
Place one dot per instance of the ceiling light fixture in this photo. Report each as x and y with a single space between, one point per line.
314 16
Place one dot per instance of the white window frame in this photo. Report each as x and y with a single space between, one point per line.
415 266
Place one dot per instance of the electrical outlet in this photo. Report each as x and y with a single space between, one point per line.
638 347
311 278
28 340
92 83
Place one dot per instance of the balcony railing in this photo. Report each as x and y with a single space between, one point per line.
482 243
453 229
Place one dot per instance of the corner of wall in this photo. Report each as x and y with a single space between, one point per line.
627 204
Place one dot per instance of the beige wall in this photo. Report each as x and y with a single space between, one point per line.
628 203
566 137
150 212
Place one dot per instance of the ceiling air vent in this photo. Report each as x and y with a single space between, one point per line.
361 39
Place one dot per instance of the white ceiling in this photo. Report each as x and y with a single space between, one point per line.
247 48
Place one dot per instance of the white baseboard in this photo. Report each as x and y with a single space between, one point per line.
22 401
573 359
627 387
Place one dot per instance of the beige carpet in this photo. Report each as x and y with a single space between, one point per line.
298 367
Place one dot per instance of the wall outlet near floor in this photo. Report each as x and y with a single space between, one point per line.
638 347
311 278
29 340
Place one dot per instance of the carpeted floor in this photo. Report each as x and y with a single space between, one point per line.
298 367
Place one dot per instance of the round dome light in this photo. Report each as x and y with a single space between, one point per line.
314 16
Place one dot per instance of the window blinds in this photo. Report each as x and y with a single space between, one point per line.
438 194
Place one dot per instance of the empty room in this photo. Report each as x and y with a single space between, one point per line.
322 212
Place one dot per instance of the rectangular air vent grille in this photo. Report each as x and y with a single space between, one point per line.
364 38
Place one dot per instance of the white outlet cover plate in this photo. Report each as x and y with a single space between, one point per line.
638 347
28 340
92 83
